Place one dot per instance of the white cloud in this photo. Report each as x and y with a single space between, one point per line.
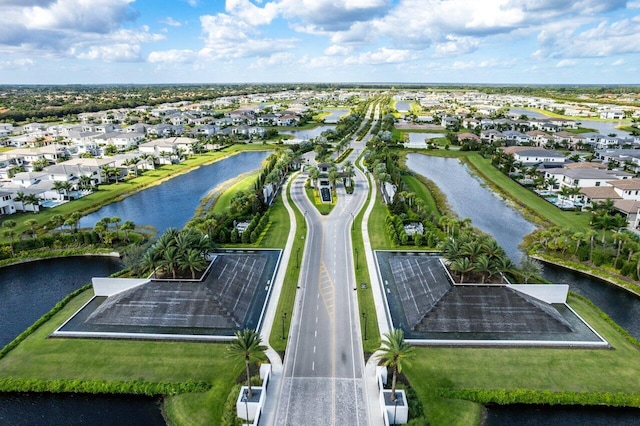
456 46
605 39
280 58
337 50
488 63
250 13
566 63
380 56
228 37
618 63
331 15
99 16
113 53
170 21
633 4
172 56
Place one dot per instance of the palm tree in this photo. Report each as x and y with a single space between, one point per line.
461 265
192 260
126 227
529 267
170 260
395 354
9 231
85 182
20 198
56 221
247 346
116 222
314 174
32 199
32 224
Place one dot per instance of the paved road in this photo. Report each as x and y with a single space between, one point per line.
323 378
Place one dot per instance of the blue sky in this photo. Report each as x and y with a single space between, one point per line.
246 41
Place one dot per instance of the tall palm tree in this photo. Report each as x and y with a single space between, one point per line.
462 265
32 224
248 347
314 174
192 261
85 182
395 354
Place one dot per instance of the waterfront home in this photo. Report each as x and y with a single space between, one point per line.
530 155
585 177
6 203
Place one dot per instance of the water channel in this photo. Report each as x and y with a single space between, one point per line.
174 202
464 194
602 127
468 197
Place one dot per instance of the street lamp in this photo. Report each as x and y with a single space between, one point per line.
364 317
284 318
245 399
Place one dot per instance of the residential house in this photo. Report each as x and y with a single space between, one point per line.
6 203
533 155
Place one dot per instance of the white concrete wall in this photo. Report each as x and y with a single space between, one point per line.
110 286
550 293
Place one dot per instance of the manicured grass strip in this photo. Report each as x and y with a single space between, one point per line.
377 231
528 396
242 183
415 185
366 303
290 284
598 372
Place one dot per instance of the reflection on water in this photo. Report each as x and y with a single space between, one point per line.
468 198
174 202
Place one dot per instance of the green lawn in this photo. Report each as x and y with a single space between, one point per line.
568 370
365 295
39 357
241 183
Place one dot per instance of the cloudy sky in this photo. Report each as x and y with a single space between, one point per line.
243 41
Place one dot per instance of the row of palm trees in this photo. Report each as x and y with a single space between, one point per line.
472 253
333 175
179 251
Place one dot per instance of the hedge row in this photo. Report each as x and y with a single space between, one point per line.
135 387
530 396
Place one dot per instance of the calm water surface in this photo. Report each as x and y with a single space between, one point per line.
29 290
468 198
174 202
307 133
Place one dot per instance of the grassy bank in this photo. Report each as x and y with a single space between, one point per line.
41 358
573 371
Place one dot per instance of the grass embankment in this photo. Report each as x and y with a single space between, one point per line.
581 374
108 193
41 358
366 303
